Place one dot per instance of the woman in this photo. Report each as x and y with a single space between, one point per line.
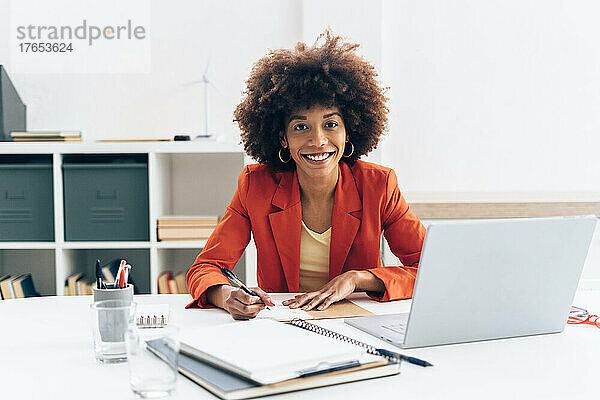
315 211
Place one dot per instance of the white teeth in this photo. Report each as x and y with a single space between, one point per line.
317 157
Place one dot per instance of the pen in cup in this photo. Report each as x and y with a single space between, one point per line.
98 275
127 268
120 278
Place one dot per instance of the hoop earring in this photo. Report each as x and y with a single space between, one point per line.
281 158
352 152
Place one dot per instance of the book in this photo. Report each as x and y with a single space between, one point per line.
186 224
183 220
46 139
72 282
23 286
163 282
232 387
186 233
77 285
6 287
304 351
45 134
173 286
107 274
181 283
85 287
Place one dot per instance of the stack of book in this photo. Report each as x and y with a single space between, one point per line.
169 285
46 136
77 285
17 286
186 228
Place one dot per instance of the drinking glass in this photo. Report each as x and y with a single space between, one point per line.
152 374
110 319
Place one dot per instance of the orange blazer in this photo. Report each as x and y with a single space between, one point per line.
367 203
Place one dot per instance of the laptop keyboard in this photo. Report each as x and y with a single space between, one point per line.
399 327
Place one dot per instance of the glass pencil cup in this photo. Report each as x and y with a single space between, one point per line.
110 319
152 373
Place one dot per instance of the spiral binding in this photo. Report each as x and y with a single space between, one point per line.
390 355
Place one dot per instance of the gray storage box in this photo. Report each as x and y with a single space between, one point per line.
26 198
106 197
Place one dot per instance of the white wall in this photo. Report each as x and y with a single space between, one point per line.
493 95
497 95
184 34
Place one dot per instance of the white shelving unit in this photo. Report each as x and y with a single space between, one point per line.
184 178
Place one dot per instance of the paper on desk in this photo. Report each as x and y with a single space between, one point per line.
280 312
341 309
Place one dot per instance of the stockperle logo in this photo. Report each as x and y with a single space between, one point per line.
85 31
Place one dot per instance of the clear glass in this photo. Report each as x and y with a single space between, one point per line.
151 375
110 319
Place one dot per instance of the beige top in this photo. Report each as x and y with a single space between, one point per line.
314 259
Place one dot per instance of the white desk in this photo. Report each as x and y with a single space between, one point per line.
46 353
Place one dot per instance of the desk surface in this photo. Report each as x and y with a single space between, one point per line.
46 353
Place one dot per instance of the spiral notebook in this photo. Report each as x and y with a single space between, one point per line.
268 351
229 386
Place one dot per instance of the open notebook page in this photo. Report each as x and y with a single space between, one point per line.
280 312
267 351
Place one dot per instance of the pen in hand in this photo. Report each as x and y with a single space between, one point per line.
234 280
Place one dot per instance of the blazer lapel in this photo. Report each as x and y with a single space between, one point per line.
345 220
286 225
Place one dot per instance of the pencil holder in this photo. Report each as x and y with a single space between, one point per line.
114 294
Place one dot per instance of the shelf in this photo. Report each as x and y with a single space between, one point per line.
27 245
184 178
195 146
106 245
39 262
183 244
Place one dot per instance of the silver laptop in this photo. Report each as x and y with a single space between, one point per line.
490 279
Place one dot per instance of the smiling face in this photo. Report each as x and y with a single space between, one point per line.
316 138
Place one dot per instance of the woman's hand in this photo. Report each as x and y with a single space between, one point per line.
238 303
337 289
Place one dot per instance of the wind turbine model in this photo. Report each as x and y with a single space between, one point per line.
205 82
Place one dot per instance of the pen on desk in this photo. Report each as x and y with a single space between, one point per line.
412 360
98 275
416 361
236 281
